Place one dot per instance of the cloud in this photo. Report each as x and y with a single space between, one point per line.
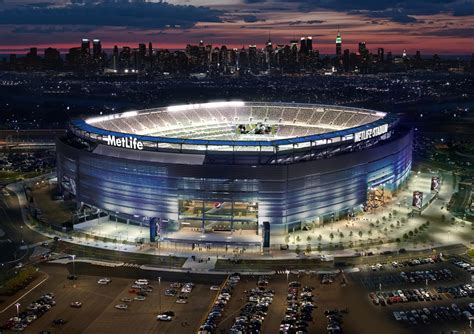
393 10
139 15
50 29
453 32
250 18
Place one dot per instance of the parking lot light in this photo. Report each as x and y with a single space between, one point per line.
159 295
73 265
17 309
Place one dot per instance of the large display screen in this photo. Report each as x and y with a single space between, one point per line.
417 199
435 183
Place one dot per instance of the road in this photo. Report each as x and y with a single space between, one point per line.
14 229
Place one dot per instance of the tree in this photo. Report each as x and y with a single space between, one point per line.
308 248
385 230
397 240
341 235
415 231
298 249
298 238
308 238
443 218
350 234
370 232
405 236
320 237
331 236
360 234
287 238
410 233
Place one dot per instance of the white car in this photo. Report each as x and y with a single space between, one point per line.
181 301
121 306
215 287
141 281
139 298
104 281
163 317
126 300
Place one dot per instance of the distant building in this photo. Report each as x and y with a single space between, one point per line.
96 48
338 43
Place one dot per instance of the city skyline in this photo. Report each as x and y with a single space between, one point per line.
421 25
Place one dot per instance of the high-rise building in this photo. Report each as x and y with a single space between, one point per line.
85 46
338 43
309 44
380 55
52 56
150 50
303 47
269 53
362 48
96 48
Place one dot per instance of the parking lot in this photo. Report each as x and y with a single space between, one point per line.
270 302
98 314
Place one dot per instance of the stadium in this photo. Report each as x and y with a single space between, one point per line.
263 168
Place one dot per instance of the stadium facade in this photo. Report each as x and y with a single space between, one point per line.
233 165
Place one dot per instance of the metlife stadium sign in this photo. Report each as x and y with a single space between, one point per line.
371 133
125 142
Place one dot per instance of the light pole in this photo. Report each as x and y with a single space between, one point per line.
17 309
73 265
159 295
287 272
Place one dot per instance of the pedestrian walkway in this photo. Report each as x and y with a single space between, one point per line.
199 263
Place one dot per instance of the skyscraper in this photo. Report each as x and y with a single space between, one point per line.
303 48
309 44
85 46
380 55
96 48
338 43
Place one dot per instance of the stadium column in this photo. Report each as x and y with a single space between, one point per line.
203 221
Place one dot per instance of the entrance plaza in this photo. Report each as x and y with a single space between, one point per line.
392 225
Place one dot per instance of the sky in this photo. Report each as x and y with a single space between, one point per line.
431 26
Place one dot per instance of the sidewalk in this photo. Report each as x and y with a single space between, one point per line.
17 188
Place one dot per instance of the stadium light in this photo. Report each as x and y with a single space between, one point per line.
206 105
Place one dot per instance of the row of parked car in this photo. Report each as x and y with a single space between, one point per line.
436 313
464 265
458 291
407 263
299 309
334 320
141 288
253 313
33 311
217 309
427 275
402 296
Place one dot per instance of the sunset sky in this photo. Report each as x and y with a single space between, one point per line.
431 26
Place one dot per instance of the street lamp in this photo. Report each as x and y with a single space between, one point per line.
17 309
73 265
287 272
159 295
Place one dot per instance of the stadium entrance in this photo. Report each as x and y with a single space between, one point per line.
377 197
220 216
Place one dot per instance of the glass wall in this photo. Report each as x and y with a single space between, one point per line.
218 215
